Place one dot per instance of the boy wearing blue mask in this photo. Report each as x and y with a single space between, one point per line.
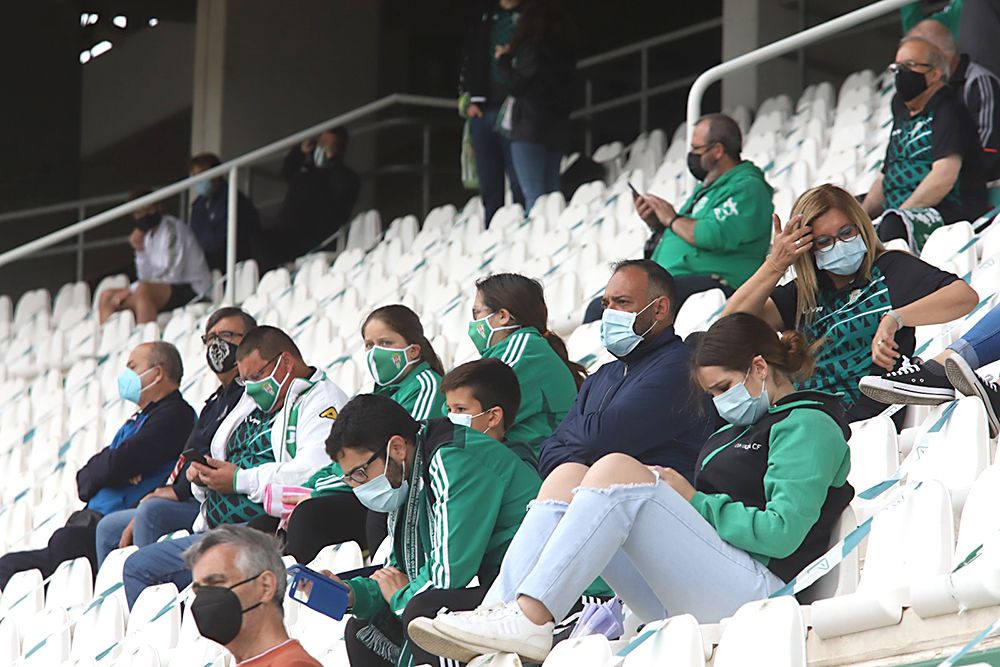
455 498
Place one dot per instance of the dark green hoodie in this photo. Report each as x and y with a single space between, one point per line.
732 228
776 488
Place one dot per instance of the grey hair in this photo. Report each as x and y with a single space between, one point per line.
256 552
935 57
722 129
167 357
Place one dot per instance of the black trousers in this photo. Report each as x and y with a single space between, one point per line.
425 604
325 520
66 543
892 227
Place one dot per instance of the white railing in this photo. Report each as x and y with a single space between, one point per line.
782 46
228 170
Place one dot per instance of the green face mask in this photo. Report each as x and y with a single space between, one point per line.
387 364
481 332
265 392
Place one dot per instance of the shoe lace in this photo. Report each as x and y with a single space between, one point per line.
907 368
497 609
989 382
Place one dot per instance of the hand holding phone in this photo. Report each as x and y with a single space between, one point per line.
193 455
318 592
651 220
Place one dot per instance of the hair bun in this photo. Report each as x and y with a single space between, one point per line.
798 356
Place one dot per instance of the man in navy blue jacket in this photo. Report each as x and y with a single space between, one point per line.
210 215
139 459
642 404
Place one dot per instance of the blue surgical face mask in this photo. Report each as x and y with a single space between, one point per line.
203 188
844 258
738 407
319 156
618 330
379 495
130 384
463 418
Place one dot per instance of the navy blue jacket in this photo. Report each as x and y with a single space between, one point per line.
209 217
146 446
642 405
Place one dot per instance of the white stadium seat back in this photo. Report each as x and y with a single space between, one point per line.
71 585
874 452
586 651
10 641
677 641
766 632
155 619
951 243
24 595
47 639
109 576
699 312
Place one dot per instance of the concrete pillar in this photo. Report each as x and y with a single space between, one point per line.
209 76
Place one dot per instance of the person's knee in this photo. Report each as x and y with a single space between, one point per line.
559 483
617 468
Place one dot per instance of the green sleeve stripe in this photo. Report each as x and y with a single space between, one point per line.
425 399
515 348
441 572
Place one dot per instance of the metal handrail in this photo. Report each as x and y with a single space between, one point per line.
227 169
74 205
782 46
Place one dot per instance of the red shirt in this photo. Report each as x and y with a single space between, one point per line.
288 653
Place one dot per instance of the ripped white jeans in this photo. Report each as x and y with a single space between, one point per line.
648 543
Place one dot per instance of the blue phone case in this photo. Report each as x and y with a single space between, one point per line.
318 592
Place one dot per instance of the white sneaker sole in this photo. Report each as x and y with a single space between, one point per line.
890 392
423 633
463 638
965 381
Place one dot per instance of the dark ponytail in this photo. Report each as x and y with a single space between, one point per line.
524 299
733 342
407 324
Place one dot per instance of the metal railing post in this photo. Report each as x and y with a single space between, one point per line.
426 172
781 47
232 204
81 214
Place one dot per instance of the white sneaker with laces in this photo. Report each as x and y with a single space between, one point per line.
502 628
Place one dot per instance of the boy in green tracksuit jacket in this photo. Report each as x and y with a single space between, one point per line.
455 499
547 386
732 228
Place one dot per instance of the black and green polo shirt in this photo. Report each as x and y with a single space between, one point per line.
943 128
846 320
248 446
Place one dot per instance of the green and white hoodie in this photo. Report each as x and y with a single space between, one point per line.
547 386
468 496
419 392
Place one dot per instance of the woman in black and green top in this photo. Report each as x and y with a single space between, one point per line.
769 488
855 300
406 369
510 323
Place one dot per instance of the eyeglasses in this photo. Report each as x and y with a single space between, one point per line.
826 243
703 147
359 474
228 336
908 66
254 377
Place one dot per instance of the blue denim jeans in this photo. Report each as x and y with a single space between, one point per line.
981 345
648 543
537 169
157 563
493 161
153 518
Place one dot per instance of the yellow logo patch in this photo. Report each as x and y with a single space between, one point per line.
329 413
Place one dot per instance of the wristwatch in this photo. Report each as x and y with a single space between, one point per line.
670 225
896 316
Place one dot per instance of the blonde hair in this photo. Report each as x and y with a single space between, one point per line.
812 205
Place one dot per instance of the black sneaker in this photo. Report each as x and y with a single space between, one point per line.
970 383
911 384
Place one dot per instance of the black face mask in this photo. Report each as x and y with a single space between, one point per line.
147 222
218 612
694 166
221 356
910 84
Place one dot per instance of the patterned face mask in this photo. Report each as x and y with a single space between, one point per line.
387 364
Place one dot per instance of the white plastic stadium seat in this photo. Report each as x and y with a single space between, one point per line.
766 632
47 639
71 585
587 651
677 641
155 620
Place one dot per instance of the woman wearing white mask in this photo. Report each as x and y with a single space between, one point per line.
769 488
857 300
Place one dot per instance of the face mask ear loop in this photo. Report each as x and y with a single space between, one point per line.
643 334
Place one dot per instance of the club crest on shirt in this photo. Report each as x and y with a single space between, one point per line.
397 360
480 329
854 295
329 413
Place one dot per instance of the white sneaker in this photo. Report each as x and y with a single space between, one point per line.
422 632
501 628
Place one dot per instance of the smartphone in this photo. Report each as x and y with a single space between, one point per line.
635 193
318 592
192 454
651 221
360 572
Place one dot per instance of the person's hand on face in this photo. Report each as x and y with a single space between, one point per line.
790 242
473 111
137 239
308 146
501 50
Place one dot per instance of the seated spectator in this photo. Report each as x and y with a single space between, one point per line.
172 507
510 323
978 87
936 380
770 486
483 90
640 404
854 300
322 192
138 460
274 435
239 586
720 235
210 216
471 497
932 173
169 265
539 69
485 395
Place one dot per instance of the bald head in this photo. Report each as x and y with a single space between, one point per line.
937 34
